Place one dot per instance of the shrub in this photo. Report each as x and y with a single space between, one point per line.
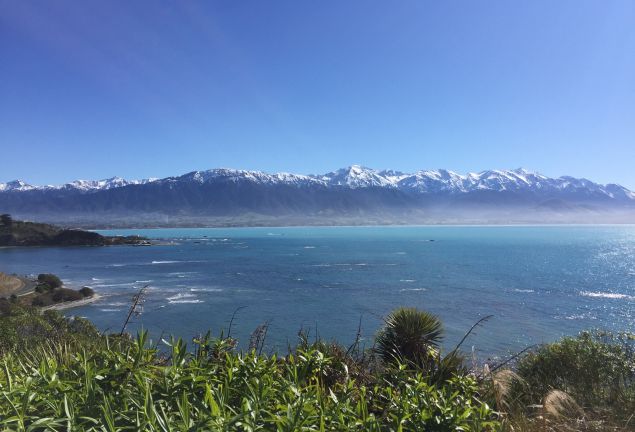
43 300
43 288
65 294
26 330
87 292
410 335
124 386
596 368
49 279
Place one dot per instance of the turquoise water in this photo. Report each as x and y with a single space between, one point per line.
538 282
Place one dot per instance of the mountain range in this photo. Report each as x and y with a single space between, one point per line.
350 195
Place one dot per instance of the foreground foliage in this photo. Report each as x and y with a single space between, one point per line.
126 385
61 374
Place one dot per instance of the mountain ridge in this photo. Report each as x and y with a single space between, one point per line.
357 176
352 195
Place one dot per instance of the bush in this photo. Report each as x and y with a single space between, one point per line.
49 279
26 330
596 368
65 294
87 292
43 300
412 338
43 288
124 386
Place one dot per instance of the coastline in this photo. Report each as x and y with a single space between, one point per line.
72 304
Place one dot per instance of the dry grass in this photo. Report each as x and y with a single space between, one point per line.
9 284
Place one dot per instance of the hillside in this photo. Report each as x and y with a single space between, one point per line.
350 195
21 233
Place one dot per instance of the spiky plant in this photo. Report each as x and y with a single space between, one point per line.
410 336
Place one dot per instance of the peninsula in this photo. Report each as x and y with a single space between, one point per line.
23 233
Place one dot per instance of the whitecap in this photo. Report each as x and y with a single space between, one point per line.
143 281
413 289
607 295
309 247
179 296
523 290
109 310
186 301
580 317
206 289
407 280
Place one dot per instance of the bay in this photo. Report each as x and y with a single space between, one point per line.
537 282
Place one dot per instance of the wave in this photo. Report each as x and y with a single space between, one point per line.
407 280
180 296
175 261
580 317
115 304
413 289
607 295
309 247
186 301
112 285
518 290
206 289
143 281
109 310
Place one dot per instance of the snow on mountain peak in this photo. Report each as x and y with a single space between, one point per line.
357 176
16 185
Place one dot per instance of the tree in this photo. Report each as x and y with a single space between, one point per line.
6 219
87 291
49 279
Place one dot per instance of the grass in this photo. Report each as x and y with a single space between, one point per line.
9 284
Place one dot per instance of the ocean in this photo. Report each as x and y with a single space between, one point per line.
538 283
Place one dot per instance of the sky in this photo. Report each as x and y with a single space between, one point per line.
95 89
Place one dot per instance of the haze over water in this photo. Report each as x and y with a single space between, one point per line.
538 282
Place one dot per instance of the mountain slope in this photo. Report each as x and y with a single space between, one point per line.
354 193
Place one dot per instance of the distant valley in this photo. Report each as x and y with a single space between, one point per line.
349 196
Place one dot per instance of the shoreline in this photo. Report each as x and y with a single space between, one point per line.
72 304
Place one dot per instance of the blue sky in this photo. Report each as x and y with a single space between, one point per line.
94 89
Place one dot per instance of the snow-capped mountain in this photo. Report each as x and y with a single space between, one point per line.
79 185
430 195
358 177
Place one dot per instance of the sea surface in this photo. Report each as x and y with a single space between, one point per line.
537 282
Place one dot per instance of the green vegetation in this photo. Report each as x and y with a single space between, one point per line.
61 374
20 233
82 382
596 369
48 282
48 290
